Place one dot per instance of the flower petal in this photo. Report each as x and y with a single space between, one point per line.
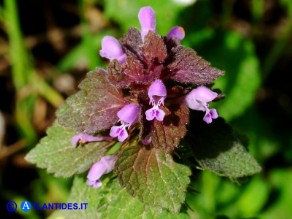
194 104
96 171
95 184
123 135
160 115
208 117
85 138
155 112
115 131
203 94
150 114
129 113
176 33
103 166
112 49
157 88
213 113
147 20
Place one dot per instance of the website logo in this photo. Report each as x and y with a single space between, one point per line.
25 206
11 206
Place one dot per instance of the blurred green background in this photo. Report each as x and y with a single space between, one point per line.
46 47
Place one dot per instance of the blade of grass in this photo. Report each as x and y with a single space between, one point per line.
24 76
21 70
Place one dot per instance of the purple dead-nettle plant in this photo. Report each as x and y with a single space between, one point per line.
142 68
153 100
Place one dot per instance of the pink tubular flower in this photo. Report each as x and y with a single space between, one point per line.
199 98
112 49
157 94
85 138
128 116
147 20
176 33
103 166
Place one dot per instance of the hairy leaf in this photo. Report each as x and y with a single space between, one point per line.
153 177
81 193
58 156
110 201
153 48
168 133
94 108
117 76
119 204
188 67
132 40
216 147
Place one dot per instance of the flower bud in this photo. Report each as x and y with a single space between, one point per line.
129 113
176 33
147 20
103 166
111 49
85 138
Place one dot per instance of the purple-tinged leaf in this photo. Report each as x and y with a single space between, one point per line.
153 176
168 133
154 49
132 41
188 67
116 75
132 72
95 107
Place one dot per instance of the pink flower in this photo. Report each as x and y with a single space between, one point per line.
147 20
103 166
176 33
128 116
85 138
157 94
112 49
199 98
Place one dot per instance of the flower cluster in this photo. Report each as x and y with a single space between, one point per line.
151 84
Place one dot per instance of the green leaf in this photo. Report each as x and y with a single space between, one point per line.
217 148
81 193
153 177
95 107
119 204
56 153
167 134
109 201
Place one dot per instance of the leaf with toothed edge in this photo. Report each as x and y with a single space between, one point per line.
153 177
218 148
154 48
95 107
188 67
58 156
132 41
119 204
168 133
110 201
